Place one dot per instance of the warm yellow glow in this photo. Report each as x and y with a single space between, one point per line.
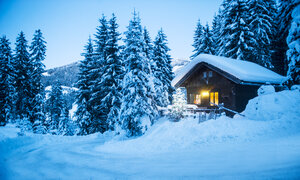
212 98
198 99
204 93
217 98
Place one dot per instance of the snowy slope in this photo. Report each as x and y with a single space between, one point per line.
251 147
243 70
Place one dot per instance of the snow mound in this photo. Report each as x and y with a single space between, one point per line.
165 136
265 89
272 106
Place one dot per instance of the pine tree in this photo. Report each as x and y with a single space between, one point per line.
138 108
157 88
98 111
38 54
113 75
179 103
237 40
65 125
293 53
203 41
261 24
23 79
84 85
197 39
216 29
55 105
6 82
39 114
148 46
283 24
164 73
207 45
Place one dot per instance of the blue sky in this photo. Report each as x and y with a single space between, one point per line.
67 24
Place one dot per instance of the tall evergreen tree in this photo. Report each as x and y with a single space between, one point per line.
113 75
23 79
207 45
216 28
38 54
283 24
84 83
157 88
6 81
262 24
293 53
55 106
164 73
138 107
98 111
237 40
197 40
148 46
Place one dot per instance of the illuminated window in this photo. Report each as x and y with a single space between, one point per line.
198 99
214 98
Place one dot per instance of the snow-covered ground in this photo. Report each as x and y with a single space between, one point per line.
263 145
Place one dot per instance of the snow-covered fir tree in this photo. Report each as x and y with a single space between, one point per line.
207 45
284 19
138 108
157 88
237 40
178 105
148 46
23 79
86 69
37 56
98 110
293 53
197 39
39 125
113 75
65 125
216 29
6 81
55 107
203 40
164 73
262 25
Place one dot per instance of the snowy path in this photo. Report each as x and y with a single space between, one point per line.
78 158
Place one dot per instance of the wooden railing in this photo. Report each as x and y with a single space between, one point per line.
204 114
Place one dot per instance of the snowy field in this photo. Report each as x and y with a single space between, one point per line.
263 145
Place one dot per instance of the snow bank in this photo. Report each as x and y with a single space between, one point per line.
165 136
265 89
273 106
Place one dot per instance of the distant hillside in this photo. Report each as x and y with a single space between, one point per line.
66 75
177 64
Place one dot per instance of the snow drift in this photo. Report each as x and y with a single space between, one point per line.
281 107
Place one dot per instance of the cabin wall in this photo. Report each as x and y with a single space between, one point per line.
243 94
198 83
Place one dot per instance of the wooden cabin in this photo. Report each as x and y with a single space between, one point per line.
216 79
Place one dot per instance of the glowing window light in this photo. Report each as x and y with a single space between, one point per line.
205 93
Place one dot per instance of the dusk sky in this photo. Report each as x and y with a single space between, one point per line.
67 24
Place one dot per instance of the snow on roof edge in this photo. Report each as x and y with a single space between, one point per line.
243 70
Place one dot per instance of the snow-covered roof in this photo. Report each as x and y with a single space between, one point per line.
243 70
